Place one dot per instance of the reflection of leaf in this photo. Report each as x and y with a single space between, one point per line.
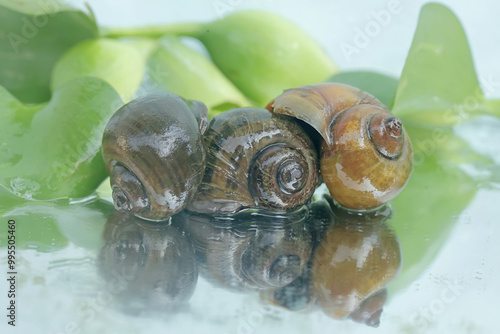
117 63
53 150
426 210
438 88
381 86
48 226
177 69
30 44
438 83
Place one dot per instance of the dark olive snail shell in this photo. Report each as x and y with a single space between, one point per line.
249 251
256 160
153 151
152 266
366 156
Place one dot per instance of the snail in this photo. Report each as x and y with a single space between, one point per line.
251 250
357 257
366 156
256 160
151 266
153 150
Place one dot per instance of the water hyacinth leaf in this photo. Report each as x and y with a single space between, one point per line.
175 68
116 62
36 228
425 212
33 35
264 54
83 223
439 83
49 226
382 86
53 150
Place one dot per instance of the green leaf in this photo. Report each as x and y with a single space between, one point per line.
438 84
52 150
176 68
35 228
33 35
383 87
117 63
264 54
47 226
33 7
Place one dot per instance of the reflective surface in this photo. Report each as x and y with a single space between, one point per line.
87 267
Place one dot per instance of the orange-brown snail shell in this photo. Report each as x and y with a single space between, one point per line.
366 156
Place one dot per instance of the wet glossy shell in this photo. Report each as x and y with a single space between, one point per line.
256 159
366 156
357 258
154 152
318 105
357 174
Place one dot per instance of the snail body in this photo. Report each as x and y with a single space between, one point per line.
366 156
256 251
153 151
256 160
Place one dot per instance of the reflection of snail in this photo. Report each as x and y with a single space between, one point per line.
297 296
154 265
250 250
153 150
354 259
256 159
366 156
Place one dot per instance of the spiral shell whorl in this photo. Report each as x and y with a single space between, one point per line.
366 156
153 150
358 175
318 105
256 159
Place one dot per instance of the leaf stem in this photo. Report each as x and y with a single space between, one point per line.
182 29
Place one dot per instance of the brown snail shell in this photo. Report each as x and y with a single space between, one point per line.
357 257
256 160
249 251
153 265
153 151
366 156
